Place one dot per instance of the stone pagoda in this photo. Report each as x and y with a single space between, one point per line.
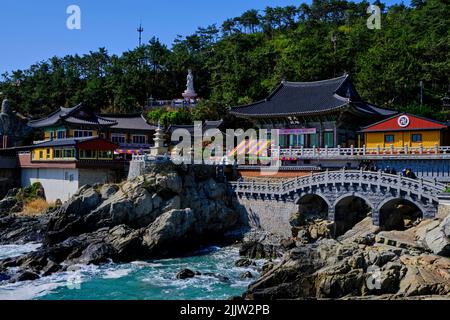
159 149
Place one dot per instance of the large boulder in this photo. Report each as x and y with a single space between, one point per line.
185 274
214 190
426 275
169 228
96 253
126 242
108 190
437 239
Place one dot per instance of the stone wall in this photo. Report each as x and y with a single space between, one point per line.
96 176
268 215
137 168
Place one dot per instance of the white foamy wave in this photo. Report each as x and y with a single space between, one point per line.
117 273
28 290
15 250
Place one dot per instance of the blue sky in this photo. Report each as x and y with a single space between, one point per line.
32 30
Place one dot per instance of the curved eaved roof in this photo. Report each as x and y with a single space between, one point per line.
78 115
308 98
135 121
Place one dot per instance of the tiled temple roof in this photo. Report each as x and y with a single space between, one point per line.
129 121
78 115
309 98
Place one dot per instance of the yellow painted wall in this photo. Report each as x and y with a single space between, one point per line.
37 151
96 155
403 138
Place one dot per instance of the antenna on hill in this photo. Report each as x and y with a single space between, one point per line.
140 30
334 41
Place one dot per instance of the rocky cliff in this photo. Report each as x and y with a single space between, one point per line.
365 263
168 211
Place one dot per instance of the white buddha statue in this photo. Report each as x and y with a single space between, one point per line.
190 91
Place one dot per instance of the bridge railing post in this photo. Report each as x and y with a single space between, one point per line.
352 148
379 180
420 148
378 150
364 150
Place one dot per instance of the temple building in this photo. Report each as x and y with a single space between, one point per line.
62 166
319 114
80 147
406 131
130 132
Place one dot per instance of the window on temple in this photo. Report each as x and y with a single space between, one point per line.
139 139
41 154
88 154
329 139
47 154
389 138
314 140
82 133
417 137
105 155
301 140
69 153
118 138
58 154
61 134
282 139
292 140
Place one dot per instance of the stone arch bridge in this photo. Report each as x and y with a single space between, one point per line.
270 205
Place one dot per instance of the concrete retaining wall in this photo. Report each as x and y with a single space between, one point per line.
267 215
58 183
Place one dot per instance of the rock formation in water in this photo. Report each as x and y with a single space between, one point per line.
365 263
168 211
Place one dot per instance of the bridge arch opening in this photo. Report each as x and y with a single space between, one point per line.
399 214
349 211
311 207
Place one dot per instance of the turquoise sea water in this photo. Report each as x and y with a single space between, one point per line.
149 280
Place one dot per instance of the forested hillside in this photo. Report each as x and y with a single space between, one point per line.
244 58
